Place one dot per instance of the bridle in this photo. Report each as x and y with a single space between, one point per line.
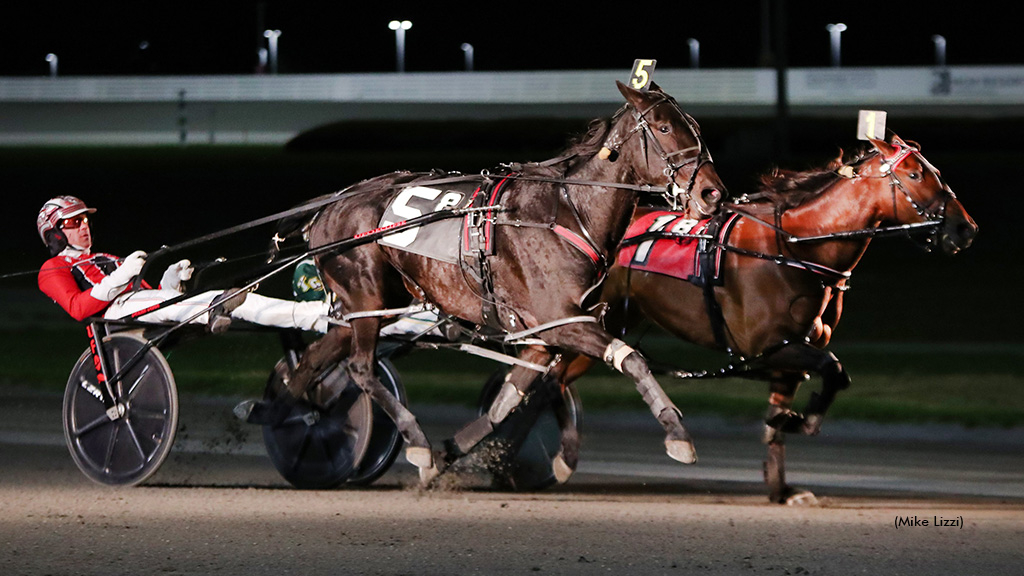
676 196
935 217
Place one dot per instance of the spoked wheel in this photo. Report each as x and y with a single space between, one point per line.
385 440
317 447
124 441
530 437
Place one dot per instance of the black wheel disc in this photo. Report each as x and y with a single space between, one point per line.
530 437
316 447
125 441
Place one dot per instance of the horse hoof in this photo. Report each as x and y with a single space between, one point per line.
561 469
681 450
802 498
419 457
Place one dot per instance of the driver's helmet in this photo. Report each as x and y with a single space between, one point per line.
57 209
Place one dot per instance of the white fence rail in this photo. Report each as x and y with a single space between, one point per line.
273 109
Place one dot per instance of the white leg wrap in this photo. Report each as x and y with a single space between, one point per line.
616 352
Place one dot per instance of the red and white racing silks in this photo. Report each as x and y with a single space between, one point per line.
68 278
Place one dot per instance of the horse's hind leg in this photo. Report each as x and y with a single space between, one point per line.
316 358
361 367
593 341
517 384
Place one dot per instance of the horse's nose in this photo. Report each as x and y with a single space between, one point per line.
959 236
966 231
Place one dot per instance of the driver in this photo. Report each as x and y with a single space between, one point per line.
86 283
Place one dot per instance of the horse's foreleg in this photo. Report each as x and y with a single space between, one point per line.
833 379
804 357
678 443
593 341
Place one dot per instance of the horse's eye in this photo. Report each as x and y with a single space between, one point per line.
914 175
665 129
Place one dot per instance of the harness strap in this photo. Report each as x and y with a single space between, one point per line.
385 312
549 325
574 239
706 249
578 242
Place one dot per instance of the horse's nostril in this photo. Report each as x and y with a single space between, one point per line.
969 232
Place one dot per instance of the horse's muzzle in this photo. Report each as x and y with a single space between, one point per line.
707 201
959 238
959 230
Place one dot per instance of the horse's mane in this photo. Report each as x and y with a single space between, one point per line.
580 148
791 188
585 145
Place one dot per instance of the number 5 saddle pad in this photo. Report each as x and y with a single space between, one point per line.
446 239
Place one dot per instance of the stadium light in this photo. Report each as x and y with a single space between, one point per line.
694 52
261 60
467 49
834 32
940 49
400 27
272 36
52 59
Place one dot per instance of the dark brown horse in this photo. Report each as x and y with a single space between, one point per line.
785 266
555 225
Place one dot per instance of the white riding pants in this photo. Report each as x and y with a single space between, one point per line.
256 309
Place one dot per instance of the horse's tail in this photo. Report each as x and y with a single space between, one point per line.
295 224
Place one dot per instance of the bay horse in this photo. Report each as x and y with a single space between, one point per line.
555 227
785 263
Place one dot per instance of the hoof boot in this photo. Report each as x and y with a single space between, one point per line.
561 469
681 450
419 457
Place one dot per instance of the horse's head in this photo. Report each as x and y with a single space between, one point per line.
685 169
919 194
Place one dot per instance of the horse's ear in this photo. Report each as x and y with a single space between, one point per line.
653 87
897 141
633 96
626 91
883 147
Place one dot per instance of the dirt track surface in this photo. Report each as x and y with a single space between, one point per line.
218 507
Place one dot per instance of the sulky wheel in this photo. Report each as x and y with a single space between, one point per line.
385 440
317 447
531 435
123 441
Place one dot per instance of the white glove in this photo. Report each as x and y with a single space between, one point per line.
175 274
117 281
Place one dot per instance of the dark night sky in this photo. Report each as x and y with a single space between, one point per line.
223 37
